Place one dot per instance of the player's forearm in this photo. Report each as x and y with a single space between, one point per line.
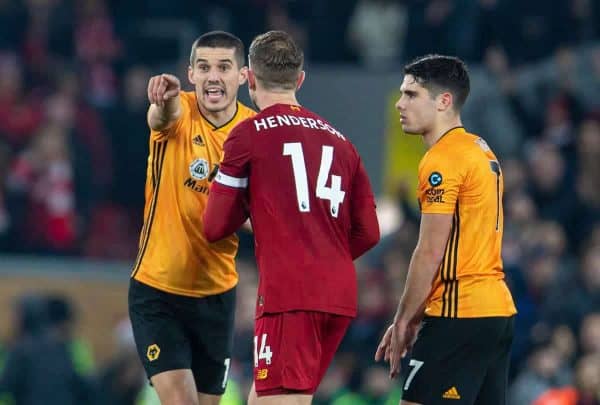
162 117
360 245
225 213
365 231
421 273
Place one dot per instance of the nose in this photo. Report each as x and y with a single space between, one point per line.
213 75
399 104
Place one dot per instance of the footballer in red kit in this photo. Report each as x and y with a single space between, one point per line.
306 191
305 183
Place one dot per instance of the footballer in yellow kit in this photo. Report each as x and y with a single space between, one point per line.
455 296
182 288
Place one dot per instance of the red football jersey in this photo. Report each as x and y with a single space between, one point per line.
308 192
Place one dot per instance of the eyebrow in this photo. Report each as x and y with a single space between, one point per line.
220 60
408 92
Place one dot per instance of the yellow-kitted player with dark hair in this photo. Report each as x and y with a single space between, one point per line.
460 176
174 256
182 290
455 290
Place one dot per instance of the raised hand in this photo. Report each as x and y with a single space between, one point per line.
162 88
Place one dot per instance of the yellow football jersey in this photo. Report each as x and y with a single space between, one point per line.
173 254
461 176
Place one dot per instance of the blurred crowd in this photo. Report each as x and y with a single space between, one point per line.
73 150
46 362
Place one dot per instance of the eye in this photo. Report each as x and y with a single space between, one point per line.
203 68
224 68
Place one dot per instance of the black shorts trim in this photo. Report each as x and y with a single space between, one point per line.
178 332
459 361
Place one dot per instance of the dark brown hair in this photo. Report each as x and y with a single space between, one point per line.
439 73
219 39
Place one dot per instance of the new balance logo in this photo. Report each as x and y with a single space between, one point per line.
262 374
452 393
197 140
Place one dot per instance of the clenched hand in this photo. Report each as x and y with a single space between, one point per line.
162 88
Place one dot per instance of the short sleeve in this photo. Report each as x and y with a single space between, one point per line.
440 180
234 169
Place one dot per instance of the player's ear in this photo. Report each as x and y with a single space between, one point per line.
251 79
191 75
444 101
243 75
300 80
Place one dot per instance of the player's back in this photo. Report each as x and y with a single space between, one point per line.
301 190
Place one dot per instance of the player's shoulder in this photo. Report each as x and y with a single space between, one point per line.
187 97
457 149
245 112
337 137
319 118
471 143
242 114
474 151
188 103
244 120
439 155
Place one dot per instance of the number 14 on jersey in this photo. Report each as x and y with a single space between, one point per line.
334 194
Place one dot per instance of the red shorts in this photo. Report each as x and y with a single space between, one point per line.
292 350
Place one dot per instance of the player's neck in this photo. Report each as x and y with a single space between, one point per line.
219 118
440 129
265 100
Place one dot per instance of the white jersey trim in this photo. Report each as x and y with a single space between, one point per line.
231 181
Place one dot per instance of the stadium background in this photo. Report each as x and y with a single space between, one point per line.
73 147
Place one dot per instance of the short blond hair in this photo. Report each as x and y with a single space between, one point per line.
276 60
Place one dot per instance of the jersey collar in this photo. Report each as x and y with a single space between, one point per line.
226 126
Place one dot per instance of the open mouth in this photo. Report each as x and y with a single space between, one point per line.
214 94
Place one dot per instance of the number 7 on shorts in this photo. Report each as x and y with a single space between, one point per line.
416 365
